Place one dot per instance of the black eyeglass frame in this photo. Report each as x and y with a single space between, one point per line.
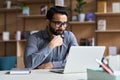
59 23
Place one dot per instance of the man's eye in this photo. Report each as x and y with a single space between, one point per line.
65 23
58 22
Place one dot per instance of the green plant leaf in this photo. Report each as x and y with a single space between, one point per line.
79 6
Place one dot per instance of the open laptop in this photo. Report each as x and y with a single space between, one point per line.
80 58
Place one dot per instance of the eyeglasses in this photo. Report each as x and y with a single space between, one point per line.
60 24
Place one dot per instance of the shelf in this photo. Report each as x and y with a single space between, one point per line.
10 10
23 40
31 16
35 1
85 22
108 31
107 14
12 40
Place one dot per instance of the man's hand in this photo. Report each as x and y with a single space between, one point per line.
48 65
56 41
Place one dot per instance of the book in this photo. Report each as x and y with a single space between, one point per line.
18 35
7 4
112 50
87 41
101 25
83 42
116 7
90 41
102 6
20 71
43 9
25 10
6 35
59 2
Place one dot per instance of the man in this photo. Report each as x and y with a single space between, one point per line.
48 48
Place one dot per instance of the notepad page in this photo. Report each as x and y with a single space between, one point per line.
114 62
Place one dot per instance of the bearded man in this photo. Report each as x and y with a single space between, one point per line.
48 49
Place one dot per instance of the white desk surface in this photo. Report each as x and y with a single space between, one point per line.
43 74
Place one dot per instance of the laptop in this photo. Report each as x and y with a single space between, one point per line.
80 58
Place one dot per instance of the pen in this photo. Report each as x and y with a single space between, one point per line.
104 67
106 63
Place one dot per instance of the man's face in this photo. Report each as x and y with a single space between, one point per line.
58 24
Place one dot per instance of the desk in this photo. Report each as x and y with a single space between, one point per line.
44 74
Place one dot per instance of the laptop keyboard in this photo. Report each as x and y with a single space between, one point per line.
57 70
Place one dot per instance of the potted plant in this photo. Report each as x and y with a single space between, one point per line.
79 10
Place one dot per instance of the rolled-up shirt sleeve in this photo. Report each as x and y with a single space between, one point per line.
34 57
58 64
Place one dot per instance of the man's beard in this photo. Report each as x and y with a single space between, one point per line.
55 32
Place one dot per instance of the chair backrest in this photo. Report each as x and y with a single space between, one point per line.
7 62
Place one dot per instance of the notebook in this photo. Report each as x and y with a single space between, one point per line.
80 58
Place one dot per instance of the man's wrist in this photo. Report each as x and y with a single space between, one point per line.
52 46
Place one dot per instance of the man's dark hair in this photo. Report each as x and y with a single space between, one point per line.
54 10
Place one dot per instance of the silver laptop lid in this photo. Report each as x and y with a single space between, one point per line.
82 57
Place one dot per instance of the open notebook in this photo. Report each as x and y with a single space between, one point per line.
80 58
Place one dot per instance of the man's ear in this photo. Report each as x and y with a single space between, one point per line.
47 22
